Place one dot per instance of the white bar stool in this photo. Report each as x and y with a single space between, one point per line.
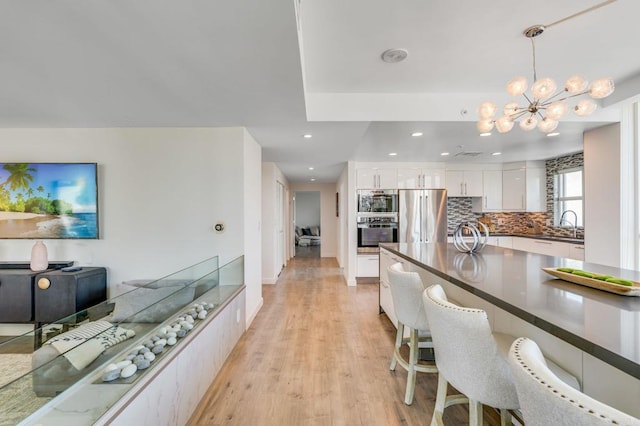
469 356
547 400
406 291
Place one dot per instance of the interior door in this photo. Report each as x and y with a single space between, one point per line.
280 235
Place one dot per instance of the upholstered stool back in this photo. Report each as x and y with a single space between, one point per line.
547 400
406 292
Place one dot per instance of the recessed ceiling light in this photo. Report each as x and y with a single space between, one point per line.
416 134
307 136
392 154
312 179
485 134
550 135
496 153
310 168
444 154
393 56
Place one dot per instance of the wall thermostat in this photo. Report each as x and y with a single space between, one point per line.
219 227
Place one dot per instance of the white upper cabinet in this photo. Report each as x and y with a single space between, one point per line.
523 189
464 183
513 188
491 200
376 178
420 178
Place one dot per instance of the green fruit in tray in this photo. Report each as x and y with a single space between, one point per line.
619 281
582 273
602 277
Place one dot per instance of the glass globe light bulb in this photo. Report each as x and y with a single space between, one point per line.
510 108
504 124
557 109
487 110
485 126
576 84
585 107
517 86
529 123
543 88
601 88
547 125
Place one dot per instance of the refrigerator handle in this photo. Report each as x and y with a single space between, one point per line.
421 216
425 222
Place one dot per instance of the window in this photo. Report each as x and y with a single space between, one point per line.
568 195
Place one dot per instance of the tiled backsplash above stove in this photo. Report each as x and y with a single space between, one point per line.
459 210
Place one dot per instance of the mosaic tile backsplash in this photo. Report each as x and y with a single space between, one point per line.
459 209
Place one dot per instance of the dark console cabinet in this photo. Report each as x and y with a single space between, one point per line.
67 292
16 295
22 300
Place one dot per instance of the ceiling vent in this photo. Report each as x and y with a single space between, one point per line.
393 56
463 153
468 154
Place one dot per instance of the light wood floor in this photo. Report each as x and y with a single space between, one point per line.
318 353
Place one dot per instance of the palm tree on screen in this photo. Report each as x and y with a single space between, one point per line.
19 176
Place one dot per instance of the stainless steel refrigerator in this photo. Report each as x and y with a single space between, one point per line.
422 215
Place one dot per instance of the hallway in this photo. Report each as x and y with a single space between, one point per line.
317 353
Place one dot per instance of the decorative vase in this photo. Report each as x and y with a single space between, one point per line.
39 257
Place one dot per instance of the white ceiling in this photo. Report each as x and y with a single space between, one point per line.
162 63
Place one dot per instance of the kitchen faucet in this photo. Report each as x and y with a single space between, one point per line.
574 224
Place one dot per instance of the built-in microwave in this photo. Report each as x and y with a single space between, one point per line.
375 230
378 201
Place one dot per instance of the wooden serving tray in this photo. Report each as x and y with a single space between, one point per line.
598 284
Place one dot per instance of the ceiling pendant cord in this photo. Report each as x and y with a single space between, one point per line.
533 50
582 12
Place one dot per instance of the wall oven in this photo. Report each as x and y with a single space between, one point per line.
378 201
375 230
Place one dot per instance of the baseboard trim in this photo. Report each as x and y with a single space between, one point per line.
272 280
253 315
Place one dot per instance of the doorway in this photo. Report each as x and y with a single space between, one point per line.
306 219
280 224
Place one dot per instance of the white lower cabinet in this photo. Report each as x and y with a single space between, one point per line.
549 248
367 265
386 302
610 385
576 252
506 242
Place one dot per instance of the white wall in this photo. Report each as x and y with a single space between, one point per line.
307 208
602 158
252 224
348 182
328 219
160 192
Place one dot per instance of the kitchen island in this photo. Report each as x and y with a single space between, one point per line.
593 334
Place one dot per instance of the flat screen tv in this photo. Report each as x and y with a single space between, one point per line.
49 200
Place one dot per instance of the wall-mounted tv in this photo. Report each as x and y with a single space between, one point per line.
49 200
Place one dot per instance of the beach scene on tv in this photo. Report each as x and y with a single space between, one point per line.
48 200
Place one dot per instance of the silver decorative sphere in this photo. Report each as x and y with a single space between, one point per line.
479 240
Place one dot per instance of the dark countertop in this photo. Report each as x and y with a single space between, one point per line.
601 324
536 237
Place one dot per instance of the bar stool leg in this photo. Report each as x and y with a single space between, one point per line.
399 335
505 418
475 413
441 398
413 361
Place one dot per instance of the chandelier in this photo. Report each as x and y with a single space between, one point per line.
546 104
